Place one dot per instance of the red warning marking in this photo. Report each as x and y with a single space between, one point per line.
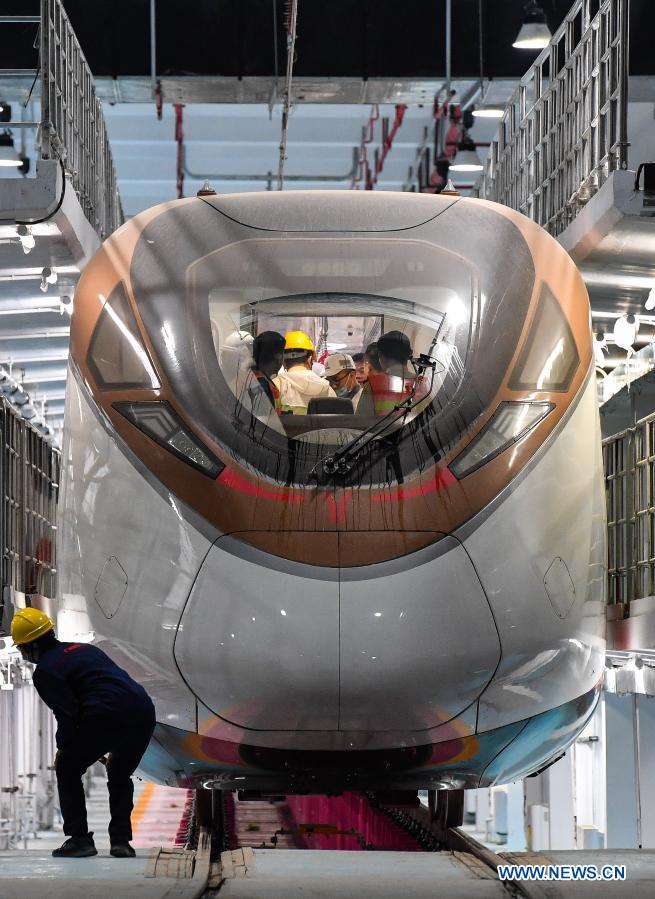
233 481
337 507
445 478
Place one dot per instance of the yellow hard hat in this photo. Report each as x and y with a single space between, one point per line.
28 625
298 340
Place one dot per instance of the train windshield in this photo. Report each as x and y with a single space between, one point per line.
295 346
317 336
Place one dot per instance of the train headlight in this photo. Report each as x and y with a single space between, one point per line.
509 423
161 424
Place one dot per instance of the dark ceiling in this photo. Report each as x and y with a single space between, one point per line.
347 38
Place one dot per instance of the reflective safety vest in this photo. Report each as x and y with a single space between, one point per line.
270 388
389 390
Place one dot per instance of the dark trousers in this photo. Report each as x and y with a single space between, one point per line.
126 745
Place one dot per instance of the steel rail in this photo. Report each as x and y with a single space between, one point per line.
458 840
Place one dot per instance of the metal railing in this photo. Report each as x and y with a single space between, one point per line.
629 459
27 748
618 454
29 477
72 123
565 128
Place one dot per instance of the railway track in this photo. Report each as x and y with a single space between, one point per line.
237 840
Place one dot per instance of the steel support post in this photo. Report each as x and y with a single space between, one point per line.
621 772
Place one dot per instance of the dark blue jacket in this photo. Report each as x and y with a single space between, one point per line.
82 685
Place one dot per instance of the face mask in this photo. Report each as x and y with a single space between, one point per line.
30 653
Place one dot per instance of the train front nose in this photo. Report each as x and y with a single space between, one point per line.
275 645
418 642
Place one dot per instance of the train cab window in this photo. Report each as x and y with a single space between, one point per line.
549 357
117 356
336 304
315 387
207 286
338 296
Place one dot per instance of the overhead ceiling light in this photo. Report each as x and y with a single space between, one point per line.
8 155
650 299
26 238
467 159
488 112
626 328
534 33
48 277
41 229
600 348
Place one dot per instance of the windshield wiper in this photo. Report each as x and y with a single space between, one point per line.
343 460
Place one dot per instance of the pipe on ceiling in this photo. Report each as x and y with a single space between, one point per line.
269 177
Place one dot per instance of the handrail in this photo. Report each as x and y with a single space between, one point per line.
629 461
72 124
564 130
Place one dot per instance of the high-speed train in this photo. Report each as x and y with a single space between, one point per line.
326 601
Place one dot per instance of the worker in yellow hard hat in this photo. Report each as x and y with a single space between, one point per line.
99 710
298 377
27 626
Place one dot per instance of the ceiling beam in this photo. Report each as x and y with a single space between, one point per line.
35 356
36 334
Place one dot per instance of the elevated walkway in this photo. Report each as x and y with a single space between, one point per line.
54 216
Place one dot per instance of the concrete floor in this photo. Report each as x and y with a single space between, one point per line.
315 874
33 873
284 874
280 874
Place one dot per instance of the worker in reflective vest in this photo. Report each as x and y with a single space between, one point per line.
395 382
99 709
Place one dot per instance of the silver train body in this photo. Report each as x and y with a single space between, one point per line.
433 616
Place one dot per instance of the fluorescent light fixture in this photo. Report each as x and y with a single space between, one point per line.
26 238
30 306
40 229
534 33
8 155
626 328
600 345
488 112
466 159
48 277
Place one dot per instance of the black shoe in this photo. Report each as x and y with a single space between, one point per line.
76 847
122 850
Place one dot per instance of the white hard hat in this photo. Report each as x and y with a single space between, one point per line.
338 362
238 340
